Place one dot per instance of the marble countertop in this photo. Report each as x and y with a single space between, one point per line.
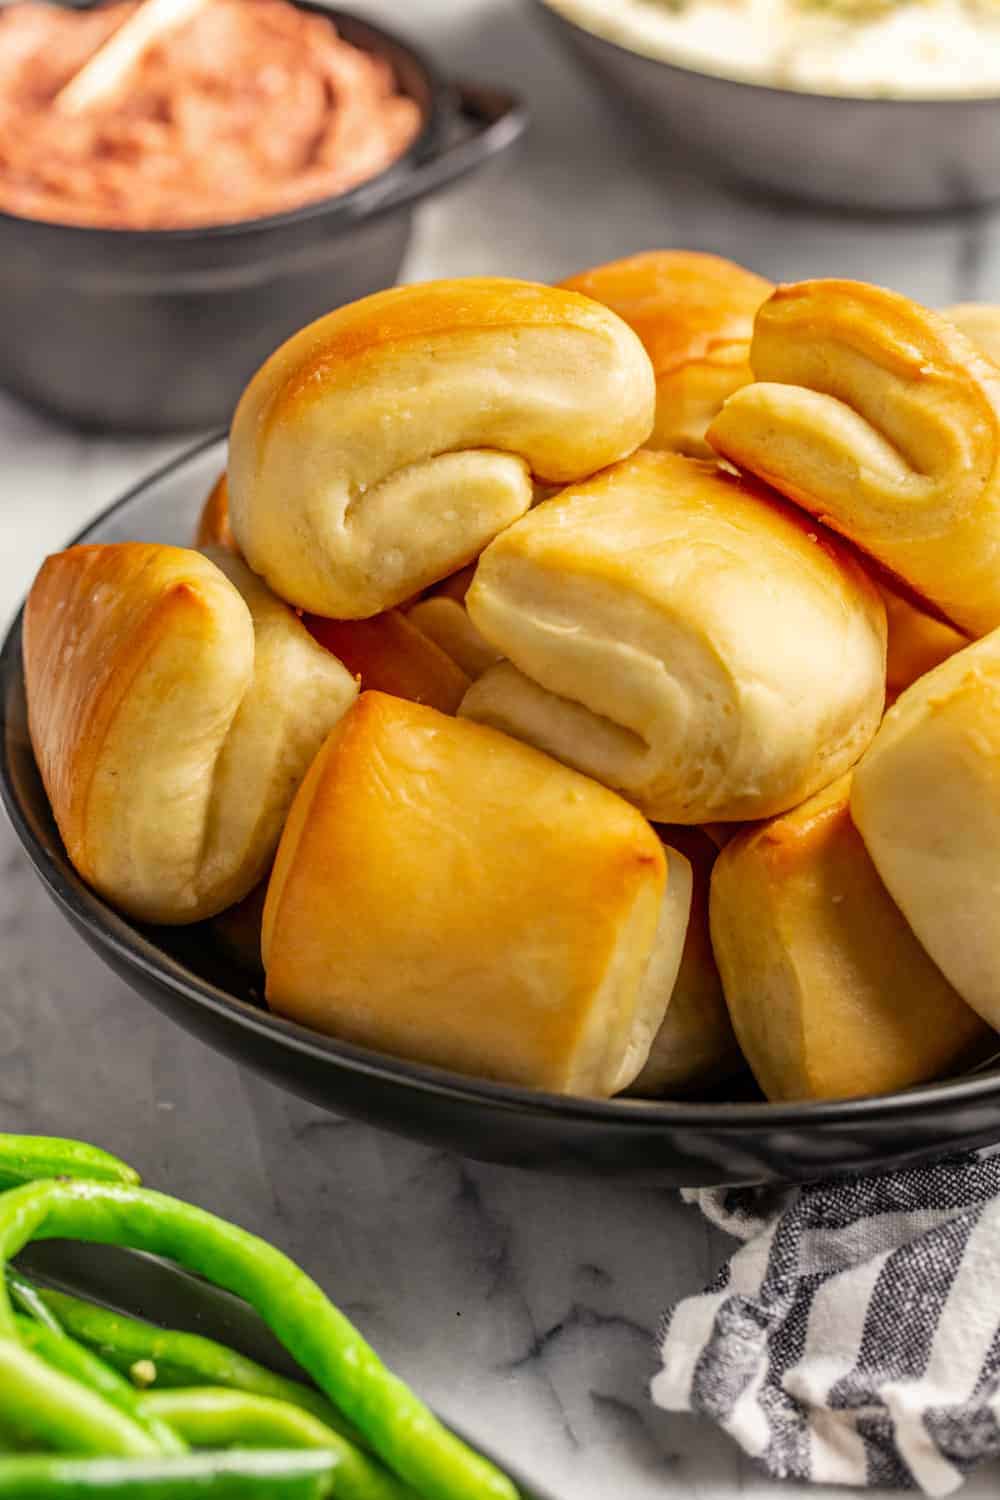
523 1306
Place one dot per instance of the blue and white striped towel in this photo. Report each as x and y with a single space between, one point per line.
855 1337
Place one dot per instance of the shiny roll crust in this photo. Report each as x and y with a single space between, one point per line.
683 637
830 993
384 446
694 314
446 894
695 1046
926 801
174 705
883 419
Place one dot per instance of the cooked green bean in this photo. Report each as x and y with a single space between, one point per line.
216 1476
42 1405
183 1359
72 1359
26 1158
400 1427
25 1295
219 1418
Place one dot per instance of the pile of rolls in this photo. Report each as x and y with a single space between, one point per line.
521 706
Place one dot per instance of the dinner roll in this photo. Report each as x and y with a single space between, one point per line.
390 654
830 994
884 420
174 706
442 616
917 642
980 322
446 894
382 447
694 314
926 801
684 637
213 528
695 1046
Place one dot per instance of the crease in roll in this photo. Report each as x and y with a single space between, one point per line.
174 705
446 894
881 418
830 993
694 314
381 448
684 637
926 801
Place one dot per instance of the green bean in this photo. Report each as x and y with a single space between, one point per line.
404 1433
26 1158
41 1404
183 1359
219 1418
216 1476
25 1295
72 1359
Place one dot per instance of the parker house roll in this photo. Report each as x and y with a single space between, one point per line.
830 994
695 1046
381 448
926 801
684 637
388 652
883 419
442 616
446 894
174 706
694 314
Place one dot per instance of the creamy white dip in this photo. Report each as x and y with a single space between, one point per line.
910 48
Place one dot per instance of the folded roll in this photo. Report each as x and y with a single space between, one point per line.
695 1046
213 528
391 655
917 643
382 447
831 995
444 893
694 314
174 706
883 419
684 637
442 616
980 322
926 801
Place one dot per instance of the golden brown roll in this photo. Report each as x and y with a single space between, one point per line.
980 322
214 529
444 893
174 705
926 801
694 314
695 1047
917 642
881 418
382 447
684 637
390 655
442 616
831 995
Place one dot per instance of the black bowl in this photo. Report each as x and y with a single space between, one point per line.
158 330
875 155
183 973
143 1286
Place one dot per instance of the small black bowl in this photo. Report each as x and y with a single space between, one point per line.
144 1286
181 971
159 330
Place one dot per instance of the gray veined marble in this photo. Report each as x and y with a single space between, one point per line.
523 1306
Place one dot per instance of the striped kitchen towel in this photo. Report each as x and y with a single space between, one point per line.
855 1337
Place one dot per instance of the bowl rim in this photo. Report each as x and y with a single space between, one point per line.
135 950
352 201
550 7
